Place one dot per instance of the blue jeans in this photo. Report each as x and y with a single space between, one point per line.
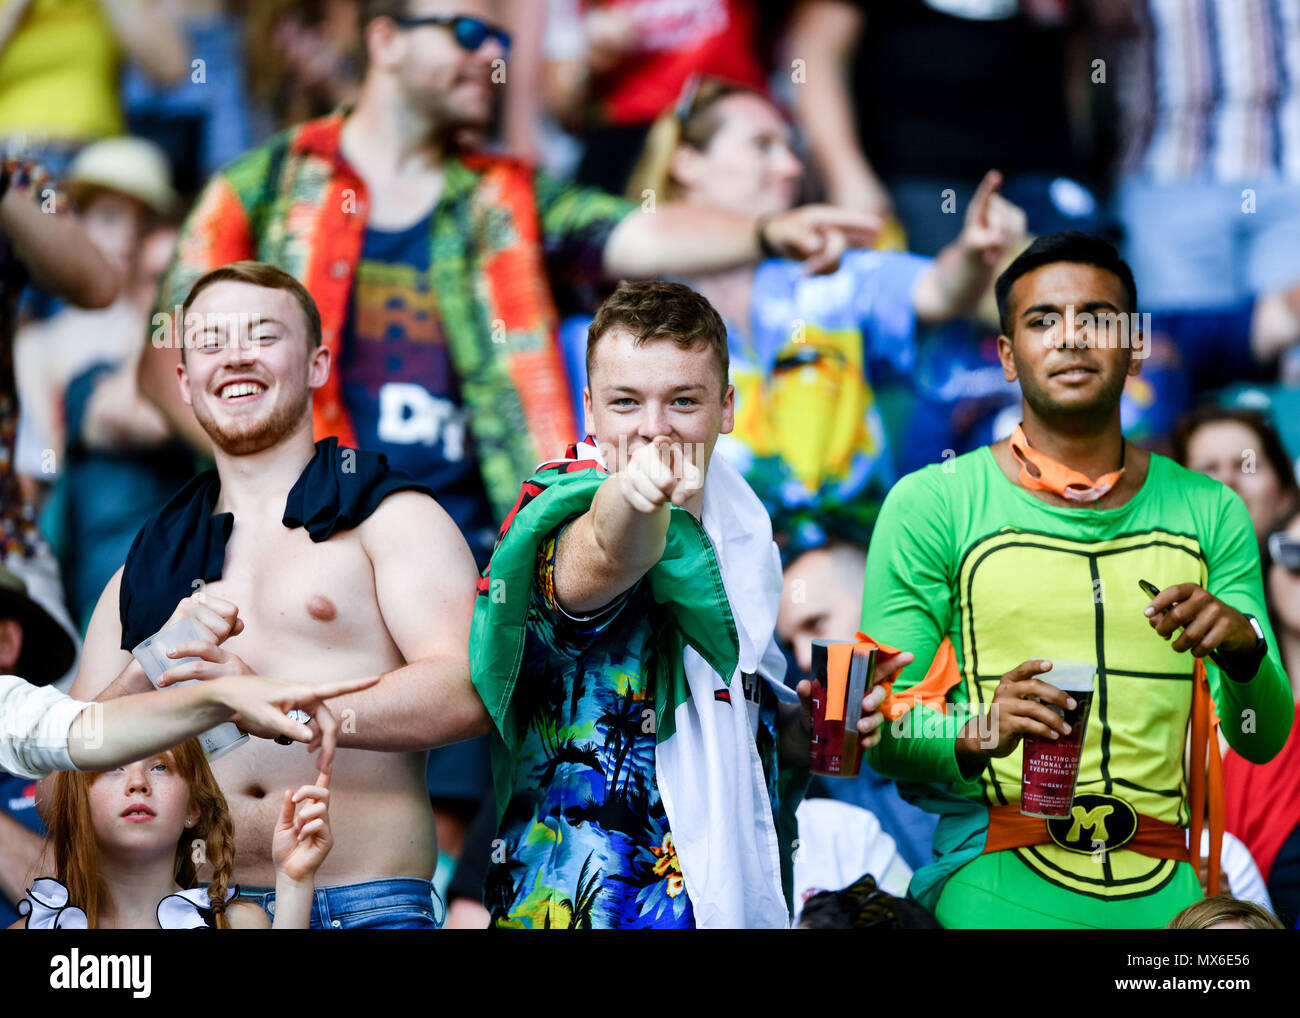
400 903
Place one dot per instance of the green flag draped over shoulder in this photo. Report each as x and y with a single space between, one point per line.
685 582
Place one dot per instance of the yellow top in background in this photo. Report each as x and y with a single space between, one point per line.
59 73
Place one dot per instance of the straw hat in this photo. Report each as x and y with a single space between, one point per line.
47 649
130 166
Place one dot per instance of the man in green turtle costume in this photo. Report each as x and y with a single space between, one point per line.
1032 549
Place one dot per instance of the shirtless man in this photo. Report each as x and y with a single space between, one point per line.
392 594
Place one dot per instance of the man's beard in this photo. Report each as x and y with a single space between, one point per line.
240 439
455 121
1099 409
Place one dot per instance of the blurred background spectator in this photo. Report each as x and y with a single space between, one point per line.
119 187
908 102
612 67
59 70
87 433
1209 183
39 242
1240 448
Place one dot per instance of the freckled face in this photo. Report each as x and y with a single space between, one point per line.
141 806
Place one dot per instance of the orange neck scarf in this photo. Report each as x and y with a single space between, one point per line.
1039 472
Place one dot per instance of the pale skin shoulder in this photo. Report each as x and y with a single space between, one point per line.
425 582
103 660
244 915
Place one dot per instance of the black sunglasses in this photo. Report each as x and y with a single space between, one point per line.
1284 549
470 33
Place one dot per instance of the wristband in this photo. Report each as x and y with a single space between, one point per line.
1242 666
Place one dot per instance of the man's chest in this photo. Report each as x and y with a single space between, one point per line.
1022 594
291 589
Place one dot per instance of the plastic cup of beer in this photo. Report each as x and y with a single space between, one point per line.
842 672
1050 767
152 655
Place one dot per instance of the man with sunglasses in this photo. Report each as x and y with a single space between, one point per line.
432 268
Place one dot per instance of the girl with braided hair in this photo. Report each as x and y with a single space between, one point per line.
129 846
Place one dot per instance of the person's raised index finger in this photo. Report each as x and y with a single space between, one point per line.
983 196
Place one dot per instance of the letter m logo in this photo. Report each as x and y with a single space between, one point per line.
1089 819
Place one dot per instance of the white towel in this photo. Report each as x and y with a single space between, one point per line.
710 776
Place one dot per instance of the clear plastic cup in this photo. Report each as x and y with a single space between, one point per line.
152 655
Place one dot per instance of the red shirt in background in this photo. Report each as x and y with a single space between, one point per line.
1263 800
675 39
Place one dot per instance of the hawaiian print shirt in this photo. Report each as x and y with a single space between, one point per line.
586 841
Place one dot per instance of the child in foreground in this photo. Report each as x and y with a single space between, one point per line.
128 846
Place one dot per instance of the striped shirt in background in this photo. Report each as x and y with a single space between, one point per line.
1213 90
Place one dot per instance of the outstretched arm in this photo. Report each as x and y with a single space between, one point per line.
131 727
685 240
607 549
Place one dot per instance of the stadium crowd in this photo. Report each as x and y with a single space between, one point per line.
947 327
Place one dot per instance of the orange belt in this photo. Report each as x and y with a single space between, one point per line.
1153 837
1009 828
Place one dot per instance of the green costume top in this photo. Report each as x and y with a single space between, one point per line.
960 551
